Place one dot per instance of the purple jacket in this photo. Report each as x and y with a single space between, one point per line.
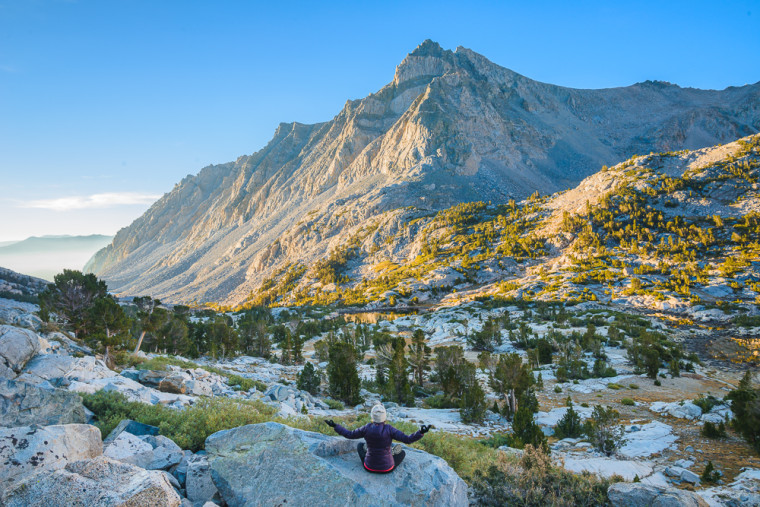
379 437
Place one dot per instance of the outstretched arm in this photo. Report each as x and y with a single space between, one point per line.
403 437
357 433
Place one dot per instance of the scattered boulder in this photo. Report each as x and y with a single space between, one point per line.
199 484
17 347
743 491
98 481
56 366
290 400
30 449
151 452
644 495
133 427
511 451
179 471
133 391
165 381
19 316
59 343
22 404
682 474
270 464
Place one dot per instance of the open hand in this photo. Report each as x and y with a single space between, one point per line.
425 428
330 423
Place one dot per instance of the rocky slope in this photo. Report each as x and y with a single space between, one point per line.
48 456
20 287
451 127
670 231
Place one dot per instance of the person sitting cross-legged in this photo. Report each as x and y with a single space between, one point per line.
377 455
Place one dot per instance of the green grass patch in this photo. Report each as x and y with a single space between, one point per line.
189 427
334 404
240 383
160 363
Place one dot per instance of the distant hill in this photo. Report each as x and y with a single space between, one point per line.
46 256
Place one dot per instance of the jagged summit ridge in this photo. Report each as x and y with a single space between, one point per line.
450 127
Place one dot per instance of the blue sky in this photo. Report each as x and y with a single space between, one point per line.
105 105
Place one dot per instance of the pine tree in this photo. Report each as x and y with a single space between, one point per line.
526 431
510 378
286 348
472 403
255 335
604 429
448 363
398 375
70 297
570 425
308 379
710 475
296 349
109 325
147 316
419 356
342 373
745 404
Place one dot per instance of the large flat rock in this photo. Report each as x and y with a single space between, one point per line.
626 494
52 366
97 481
28 450
23 404
274 464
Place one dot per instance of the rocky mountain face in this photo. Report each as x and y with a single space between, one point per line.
451 127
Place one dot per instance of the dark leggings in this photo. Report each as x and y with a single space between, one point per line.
397 458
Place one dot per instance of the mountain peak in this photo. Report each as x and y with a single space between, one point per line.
428 59
428 48
450 128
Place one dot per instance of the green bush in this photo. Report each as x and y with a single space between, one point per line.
189 427
308 379
710 430
497 440
706 403
334 404
745 404
440 401
536 481
604 429
570 425
710 475
628 402
240 383
159 363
